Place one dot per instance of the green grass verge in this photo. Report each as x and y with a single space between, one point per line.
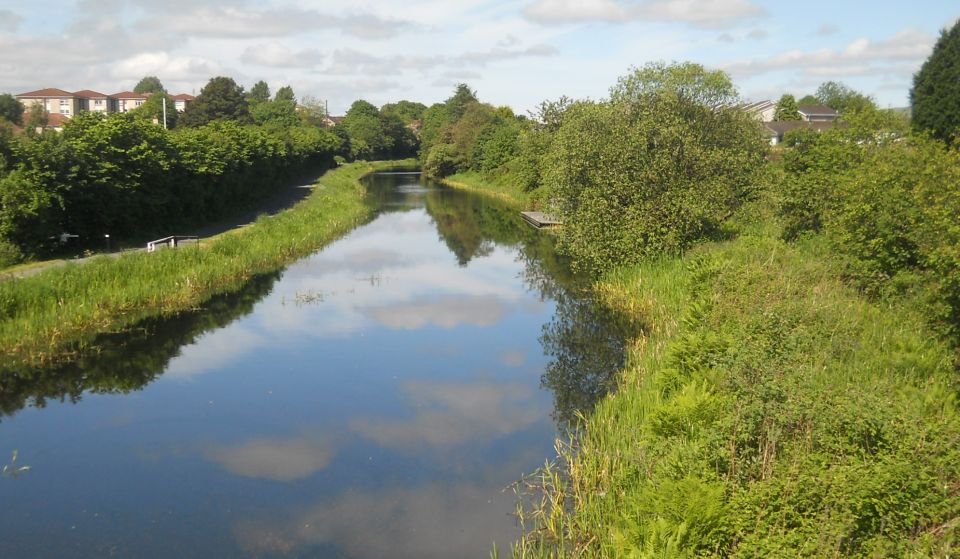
503 188
54 315
768 410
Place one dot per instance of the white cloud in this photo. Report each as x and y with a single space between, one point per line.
896 55
163 64
276 55
700 13
827 29
274 459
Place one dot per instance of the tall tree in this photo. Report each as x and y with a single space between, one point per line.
808 100
285 93
149 84
458 102
935 96
406 111
686 81
37 117
220 99
259 93
363 126
786 108
843 98
10 109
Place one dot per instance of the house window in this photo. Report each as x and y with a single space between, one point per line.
98 102
65 106
138 103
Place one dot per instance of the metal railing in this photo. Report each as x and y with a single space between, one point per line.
172 242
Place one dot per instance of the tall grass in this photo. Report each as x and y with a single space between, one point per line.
768 409
55 314
505 188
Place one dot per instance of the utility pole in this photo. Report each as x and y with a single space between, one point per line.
163 100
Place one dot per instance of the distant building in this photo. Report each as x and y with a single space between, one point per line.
127 101
54 101
93 101
776 130
764 111
332 120
182 101
817 113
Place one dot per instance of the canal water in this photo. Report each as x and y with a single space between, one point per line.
375 399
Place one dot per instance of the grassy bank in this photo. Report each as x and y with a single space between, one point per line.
54 315
505 189
768 410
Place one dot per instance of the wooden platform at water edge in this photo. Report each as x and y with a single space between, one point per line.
540 219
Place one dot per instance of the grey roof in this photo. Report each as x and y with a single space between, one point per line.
781 127
819 110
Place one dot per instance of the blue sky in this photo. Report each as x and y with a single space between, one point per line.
514 53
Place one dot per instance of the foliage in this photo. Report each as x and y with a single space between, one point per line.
362 124
786 108
935 96
11 110
462 97
152 109
285 93
279 113
220 99
842 98
113 294
652 171
312 110
149 84
37 117
259 93
407 111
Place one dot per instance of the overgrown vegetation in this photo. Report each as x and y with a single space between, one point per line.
57 313
791 389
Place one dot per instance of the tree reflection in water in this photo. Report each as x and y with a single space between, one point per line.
130 360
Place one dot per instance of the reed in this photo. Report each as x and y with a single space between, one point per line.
55 314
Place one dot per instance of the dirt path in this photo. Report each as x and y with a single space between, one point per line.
279 202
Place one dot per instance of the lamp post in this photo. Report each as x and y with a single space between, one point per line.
107 237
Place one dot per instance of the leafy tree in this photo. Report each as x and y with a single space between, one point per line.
220 99
259 93
403 141
808 100
786 108
363 126
842 98
149 84
10 109
152 109
406 111
686 81
935 96
281 113
462 97
653 170
312 110
37 117
285 93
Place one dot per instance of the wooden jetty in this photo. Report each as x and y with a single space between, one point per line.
540 219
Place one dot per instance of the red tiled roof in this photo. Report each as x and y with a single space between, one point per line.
127 95
183 97
48 92
56 119
90 94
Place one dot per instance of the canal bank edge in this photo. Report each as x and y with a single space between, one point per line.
757 371
55 315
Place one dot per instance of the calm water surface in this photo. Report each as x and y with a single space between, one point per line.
372 400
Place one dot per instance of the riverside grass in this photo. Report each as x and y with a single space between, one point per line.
54 315
768 409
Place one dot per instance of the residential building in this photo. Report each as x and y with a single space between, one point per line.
331 121
53 100
764 111
817 113
776 130
127 101
182 101
93 101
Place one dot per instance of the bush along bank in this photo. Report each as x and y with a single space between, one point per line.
768 409
54 315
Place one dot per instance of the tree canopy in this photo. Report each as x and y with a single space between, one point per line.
686 81
220 99
10 109
285 93
149 84
152 109
786 108
842 98
259 92
935 96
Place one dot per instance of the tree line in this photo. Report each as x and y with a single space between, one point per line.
125 176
